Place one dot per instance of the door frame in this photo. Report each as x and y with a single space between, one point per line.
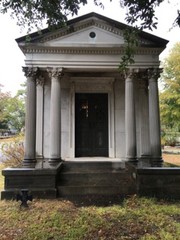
93 85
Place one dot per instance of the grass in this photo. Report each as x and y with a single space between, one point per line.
135 218
1 177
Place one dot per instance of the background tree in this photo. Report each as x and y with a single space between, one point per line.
4 96
12 110
56 12
170 95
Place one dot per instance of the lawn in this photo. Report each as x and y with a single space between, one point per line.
133 219
1 178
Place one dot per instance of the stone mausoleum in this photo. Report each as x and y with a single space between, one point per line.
91 129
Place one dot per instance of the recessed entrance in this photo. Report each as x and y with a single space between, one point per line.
91 124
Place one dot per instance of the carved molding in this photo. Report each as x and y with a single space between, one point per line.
82 25
91 84
40 80
30 72
55 72
154 73
85 50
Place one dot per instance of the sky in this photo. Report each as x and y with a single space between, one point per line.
12 59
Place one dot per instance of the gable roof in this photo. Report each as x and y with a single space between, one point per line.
71 26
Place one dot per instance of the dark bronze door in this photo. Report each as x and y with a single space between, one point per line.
91 124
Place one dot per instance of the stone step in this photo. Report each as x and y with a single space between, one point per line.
94 165
65 191
92 178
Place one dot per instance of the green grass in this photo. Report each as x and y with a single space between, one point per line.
1 177
135 218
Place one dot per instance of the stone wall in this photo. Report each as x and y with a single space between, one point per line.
159 182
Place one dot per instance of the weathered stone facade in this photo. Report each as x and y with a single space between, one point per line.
83 58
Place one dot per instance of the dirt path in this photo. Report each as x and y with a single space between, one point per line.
172 158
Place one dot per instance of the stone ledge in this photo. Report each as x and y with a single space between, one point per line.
41 193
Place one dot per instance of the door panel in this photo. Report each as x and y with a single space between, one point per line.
91 124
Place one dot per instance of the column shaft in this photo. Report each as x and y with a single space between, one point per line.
130 122
55 117
154 118
39 116
30 120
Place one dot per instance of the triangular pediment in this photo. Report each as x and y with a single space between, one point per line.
90 36
91 30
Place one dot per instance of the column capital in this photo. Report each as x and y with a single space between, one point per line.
55 72
154 73
131 73
40 80
30 71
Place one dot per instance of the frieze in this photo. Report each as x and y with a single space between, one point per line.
95 87
100 51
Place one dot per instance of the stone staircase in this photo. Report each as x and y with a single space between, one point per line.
94 182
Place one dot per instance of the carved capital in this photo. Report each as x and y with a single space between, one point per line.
55 72
142 79
154 73
131 74
30 72
40 80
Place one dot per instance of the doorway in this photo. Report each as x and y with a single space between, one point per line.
91 124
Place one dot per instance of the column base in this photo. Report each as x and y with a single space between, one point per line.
132 160
29 163
54 161
144 161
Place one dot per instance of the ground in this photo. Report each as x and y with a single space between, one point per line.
133 219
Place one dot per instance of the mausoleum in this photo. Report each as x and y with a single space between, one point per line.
84 115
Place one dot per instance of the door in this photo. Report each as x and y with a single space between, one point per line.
91 124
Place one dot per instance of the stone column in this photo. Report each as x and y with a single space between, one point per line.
39 116
154 117
145 151
130 121
55 116
30 121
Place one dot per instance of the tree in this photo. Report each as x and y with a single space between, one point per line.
3 103
55 12
170 95
12 111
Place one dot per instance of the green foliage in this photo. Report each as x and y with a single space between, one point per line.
3 103
12 110
13 152
136 218
33 13
170 95
131 42
143 11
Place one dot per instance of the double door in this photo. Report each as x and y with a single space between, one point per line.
91 124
